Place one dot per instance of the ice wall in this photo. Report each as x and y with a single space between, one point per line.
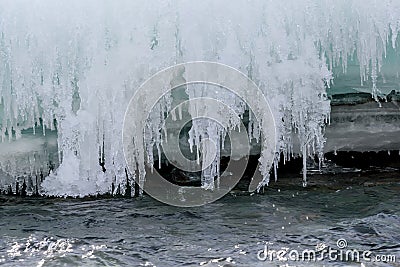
79 62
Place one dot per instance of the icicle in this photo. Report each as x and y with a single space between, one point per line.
82 80
304 150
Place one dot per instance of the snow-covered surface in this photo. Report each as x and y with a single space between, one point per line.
364 127
79 62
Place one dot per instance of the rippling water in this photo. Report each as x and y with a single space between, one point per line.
229 232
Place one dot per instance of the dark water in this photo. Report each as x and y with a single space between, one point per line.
229 232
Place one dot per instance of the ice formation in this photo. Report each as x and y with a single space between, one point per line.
74 65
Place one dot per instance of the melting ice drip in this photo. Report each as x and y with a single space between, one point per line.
79 62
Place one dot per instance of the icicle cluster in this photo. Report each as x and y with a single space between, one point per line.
79 62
